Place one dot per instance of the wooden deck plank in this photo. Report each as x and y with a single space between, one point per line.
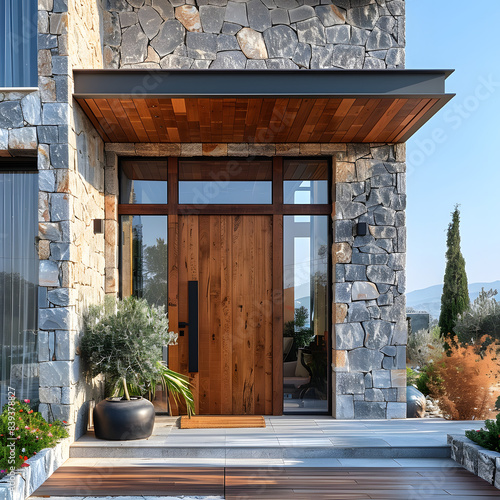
270 483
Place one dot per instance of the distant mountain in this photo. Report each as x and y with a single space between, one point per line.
429 299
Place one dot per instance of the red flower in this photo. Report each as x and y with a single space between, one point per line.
50 425
26 400
20 411
25 464
64 422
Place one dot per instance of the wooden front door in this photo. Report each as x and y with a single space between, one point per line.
230 256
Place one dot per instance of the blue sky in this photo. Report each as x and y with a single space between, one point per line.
455 157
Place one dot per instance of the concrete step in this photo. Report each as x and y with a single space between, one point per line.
112 450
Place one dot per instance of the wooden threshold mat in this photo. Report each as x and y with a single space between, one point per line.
269 483
222 422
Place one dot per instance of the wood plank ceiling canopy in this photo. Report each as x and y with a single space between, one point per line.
265 106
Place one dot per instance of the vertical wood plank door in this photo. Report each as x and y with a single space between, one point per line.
231 258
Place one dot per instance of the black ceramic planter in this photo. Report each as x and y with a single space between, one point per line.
119 419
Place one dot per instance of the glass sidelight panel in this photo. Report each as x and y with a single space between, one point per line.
144 267
306 313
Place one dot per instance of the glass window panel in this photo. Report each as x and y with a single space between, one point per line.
143 181
18 285
18 43
225 193
305 182
225 170
306 326
144 266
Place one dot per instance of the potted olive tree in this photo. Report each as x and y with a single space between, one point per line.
123 341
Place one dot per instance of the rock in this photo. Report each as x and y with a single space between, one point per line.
286 4
189 16
128 19
230 28
368 410
256 64
48 275
60 251
252 43
338 34
378 333
201 64
171 35
355 272
396 410
383 232
365 360
395 57
11 115
374 395
279 16
350 383
236 13
358 312
227 42
54 373
343 230
136 3
172 61
59 296
32 108
259 17
396 7
229 60
363 290
321 57
343 292
23 139
164 8
348 56
363 17
201 45
281 41
134 45
280 64
349 210
349 336
150 21
311 31
386 23
344 405
379 40
328 15
359 36
381 378
381 274
301 13
212 18
4 139
302 55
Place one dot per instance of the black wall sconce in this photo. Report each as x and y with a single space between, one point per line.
361 229
98 226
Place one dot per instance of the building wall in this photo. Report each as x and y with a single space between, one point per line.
255 34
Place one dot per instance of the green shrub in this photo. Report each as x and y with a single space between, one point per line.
427 376
487 438
31 432
411 376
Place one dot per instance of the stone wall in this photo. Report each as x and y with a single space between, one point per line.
369 362
71 197
254 34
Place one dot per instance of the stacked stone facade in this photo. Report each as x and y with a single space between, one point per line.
78 176
369 362
254 34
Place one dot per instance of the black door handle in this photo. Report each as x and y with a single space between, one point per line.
193 325
182 324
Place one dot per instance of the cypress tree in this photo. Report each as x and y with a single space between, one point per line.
455 297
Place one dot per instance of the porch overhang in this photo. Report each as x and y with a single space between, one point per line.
261 106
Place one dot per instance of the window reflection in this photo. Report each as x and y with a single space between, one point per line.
305 335
305 182
19 285
144 266
143 181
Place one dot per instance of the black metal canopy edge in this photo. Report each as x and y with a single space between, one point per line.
120 83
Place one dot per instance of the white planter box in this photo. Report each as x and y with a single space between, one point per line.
476 459
28 479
